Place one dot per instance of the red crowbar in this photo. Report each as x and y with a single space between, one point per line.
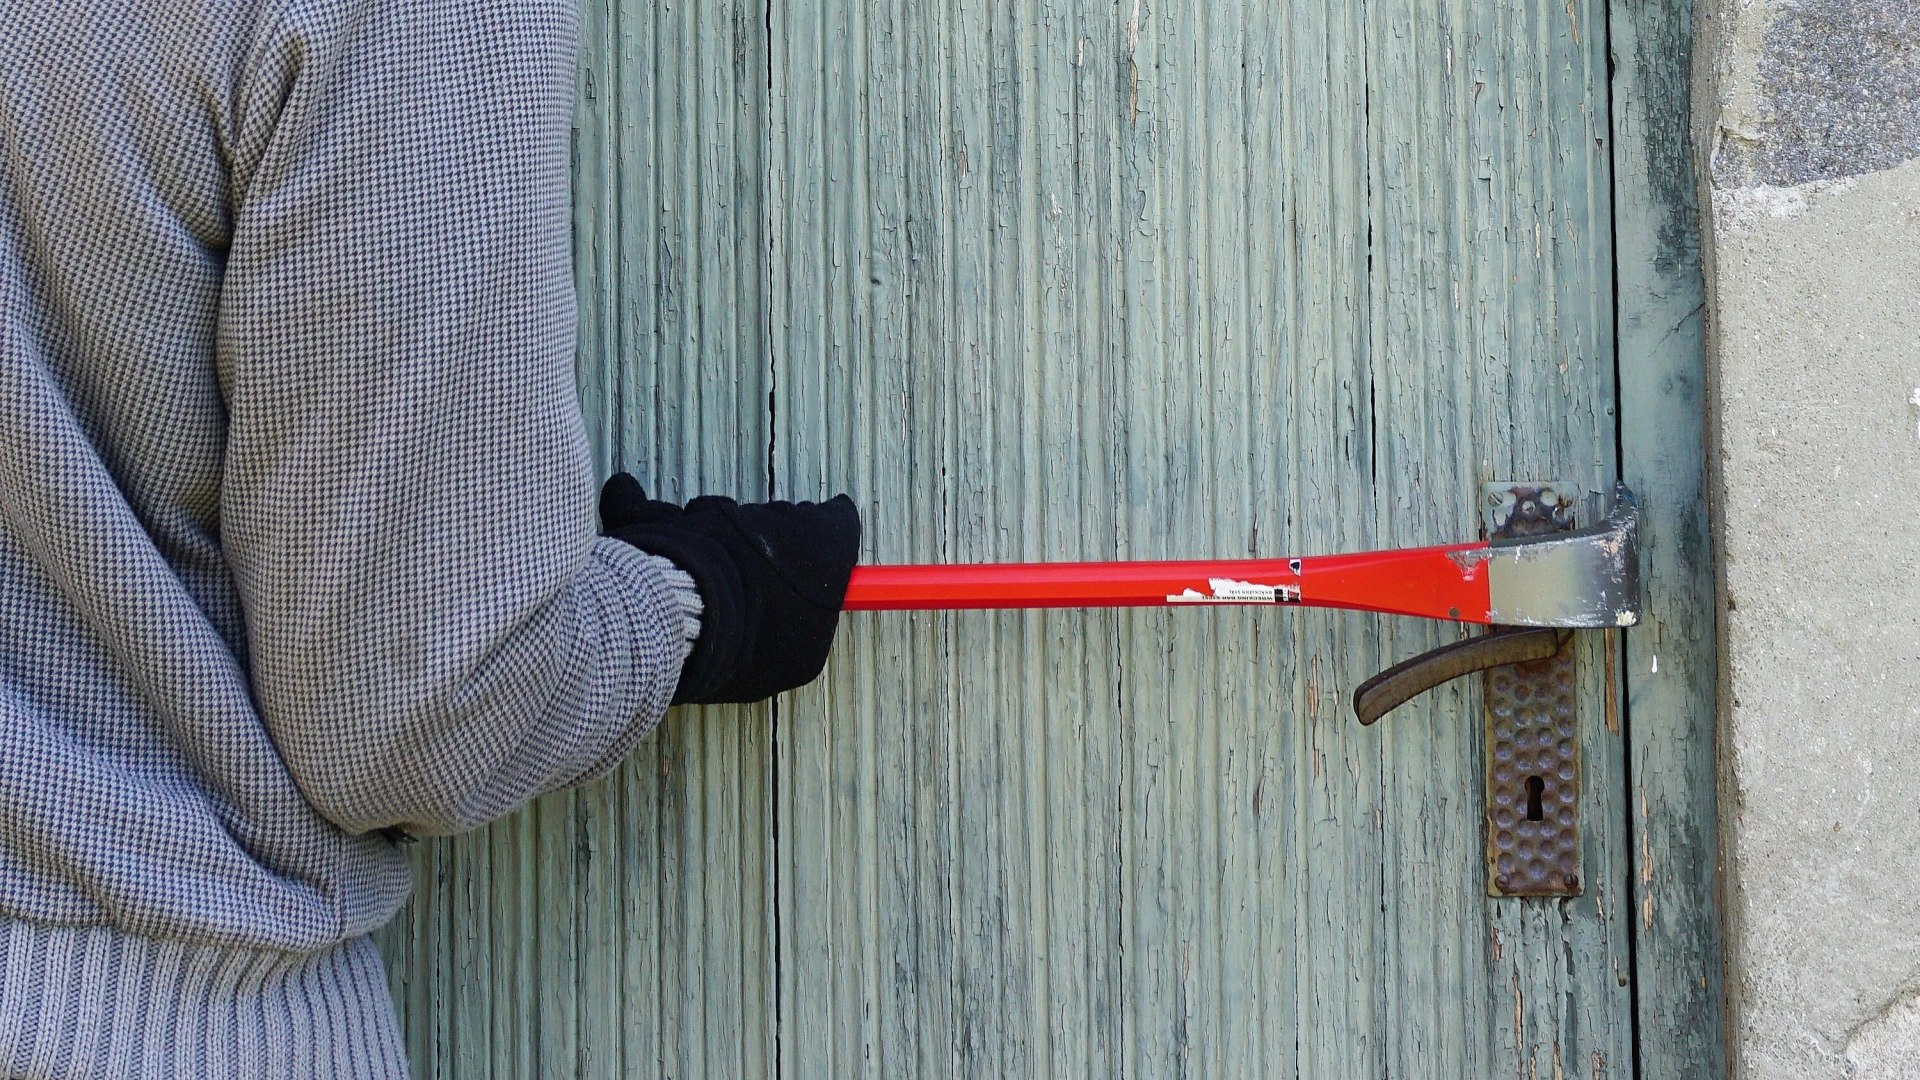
1583 579
1587 578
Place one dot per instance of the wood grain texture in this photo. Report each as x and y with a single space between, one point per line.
1074 280
623 929
1671 663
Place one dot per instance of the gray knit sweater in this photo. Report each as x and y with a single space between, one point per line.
297 539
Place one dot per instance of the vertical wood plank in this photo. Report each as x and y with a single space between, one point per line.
1670 712
1274 336
554 923
1537 305
1426 417
1183 279
622 929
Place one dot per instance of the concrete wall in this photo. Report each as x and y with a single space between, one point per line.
1808 125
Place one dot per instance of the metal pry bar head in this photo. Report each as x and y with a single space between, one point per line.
1539 590
1579 580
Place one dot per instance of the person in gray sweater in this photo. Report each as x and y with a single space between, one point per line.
298 547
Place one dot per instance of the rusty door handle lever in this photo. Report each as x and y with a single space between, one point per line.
1410 678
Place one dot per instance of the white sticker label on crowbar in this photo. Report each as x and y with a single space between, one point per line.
1230 591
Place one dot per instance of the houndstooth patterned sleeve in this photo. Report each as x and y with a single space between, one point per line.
436 632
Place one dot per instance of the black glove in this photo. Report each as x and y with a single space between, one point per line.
772 577
624 502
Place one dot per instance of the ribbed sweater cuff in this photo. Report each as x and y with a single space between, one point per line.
686 597
94 1002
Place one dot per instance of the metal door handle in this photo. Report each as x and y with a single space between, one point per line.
1532 743
1410 678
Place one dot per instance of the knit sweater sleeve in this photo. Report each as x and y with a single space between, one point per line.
436 633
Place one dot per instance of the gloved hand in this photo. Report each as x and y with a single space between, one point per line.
624 502
772 576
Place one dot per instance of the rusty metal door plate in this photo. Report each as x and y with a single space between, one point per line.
1533 730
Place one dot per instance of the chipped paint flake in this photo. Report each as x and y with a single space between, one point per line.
1470 560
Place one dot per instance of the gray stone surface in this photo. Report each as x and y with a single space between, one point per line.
1837 95
1816 322
1808 112
1886 1047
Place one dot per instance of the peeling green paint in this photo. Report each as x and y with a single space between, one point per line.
1077 280
1066 279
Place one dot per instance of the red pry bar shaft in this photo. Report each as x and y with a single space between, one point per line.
1446 582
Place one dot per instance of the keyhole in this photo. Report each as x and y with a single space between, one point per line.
1535 786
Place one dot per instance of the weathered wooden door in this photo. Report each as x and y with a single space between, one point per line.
1087 279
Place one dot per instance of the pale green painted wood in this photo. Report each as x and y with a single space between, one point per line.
1663 389
1080 280
623 929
